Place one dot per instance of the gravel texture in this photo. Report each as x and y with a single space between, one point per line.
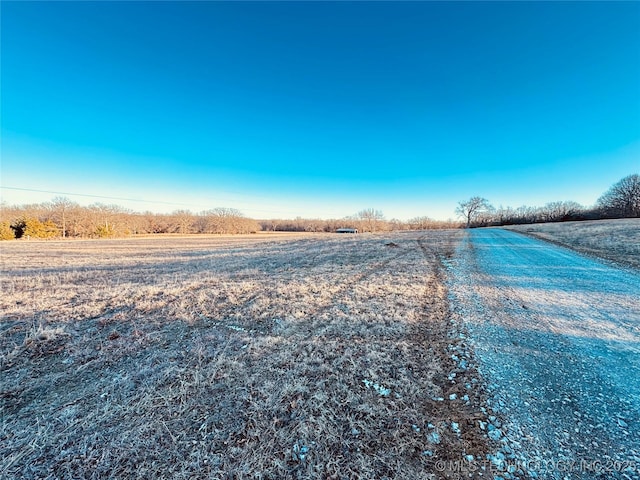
556 336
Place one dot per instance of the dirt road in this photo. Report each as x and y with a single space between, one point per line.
557 338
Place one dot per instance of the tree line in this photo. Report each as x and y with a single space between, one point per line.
64 218
367 220
622 200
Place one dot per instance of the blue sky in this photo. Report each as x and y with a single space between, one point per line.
319 109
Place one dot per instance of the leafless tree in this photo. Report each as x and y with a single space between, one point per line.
371 219
473 209
269 225
223 220
623 198
61 207
155 223
138 223
421 223
182 221
107 220
560 211
396 225
526 214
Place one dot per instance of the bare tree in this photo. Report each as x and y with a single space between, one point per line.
371 219
137 223
421 223
107 220
182 221
225 220
559 211
623 198
60 208
313 225
472 209
396 225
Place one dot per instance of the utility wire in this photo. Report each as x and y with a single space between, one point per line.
154 202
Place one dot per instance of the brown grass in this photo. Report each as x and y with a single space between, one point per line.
323 356
617 241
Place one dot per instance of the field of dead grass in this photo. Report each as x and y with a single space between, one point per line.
305 357
615 240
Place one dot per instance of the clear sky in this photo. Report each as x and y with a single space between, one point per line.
319 109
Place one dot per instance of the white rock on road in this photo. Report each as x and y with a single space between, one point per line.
557 339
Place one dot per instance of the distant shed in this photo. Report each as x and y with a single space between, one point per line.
347 230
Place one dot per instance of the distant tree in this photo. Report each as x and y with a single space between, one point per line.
560 211
332 225
421 223
269 225
60 208
525 214
313 225
623 198
31 227
473 209
225 220
106 220
105 231
371 219
5 231
18 227
182 221
6 212
396 225
48 229
503 215
154 223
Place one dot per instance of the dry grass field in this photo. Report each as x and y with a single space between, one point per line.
614 240
257 357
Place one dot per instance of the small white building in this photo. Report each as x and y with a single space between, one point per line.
347 230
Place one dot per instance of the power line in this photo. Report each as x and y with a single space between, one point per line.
93 196
139 200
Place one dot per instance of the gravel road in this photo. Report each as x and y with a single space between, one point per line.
557 339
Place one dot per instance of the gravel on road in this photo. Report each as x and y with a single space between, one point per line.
557 339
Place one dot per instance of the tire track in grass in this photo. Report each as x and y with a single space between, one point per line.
307 328
189 399
327 399
406 428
